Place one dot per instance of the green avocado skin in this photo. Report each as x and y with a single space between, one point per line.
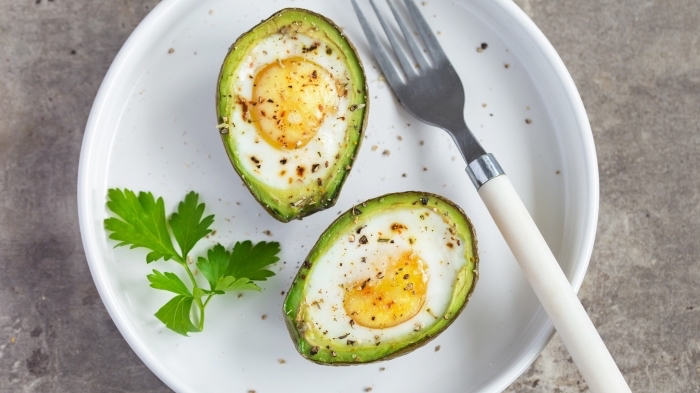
327 352
286 204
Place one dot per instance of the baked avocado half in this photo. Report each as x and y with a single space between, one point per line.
385 278
292 108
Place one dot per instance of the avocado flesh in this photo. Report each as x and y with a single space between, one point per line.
318 347
295 200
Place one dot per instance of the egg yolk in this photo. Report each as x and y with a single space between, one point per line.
391 297
291 98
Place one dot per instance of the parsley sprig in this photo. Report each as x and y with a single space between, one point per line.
140 221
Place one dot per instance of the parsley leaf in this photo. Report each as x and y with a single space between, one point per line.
248 260
168 282
229 283
176 315
215 266
187 224
198 293
142 223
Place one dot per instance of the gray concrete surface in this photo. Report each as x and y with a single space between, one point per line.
636 64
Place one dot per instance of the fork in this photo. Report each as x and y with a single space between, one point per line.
428 87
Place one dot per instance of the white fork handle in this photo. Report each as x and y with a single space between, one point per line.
552 287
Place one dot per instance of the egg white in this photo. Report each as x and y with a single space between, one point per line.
342 266
331 136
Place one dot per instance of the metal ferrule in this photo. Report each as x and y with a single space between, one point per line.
484 169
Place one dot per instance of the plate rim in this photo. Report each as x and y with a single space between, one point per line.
89 238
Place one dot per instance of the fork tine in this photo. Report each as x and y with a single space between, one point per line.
438 56
406 64
408 35
385 63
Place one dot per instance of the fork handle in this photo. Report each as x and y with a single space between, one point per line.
551 286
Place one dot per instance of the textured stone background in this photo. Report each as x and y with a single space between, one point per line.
636 64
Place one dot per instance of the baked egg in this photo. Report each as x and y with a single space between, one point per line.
385 278
292 108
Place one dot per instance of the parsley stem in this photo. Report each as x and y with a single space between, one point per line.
201 314
189 273
195 286
201 308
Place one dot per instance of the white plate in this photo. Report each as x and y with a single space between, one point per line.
152 127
